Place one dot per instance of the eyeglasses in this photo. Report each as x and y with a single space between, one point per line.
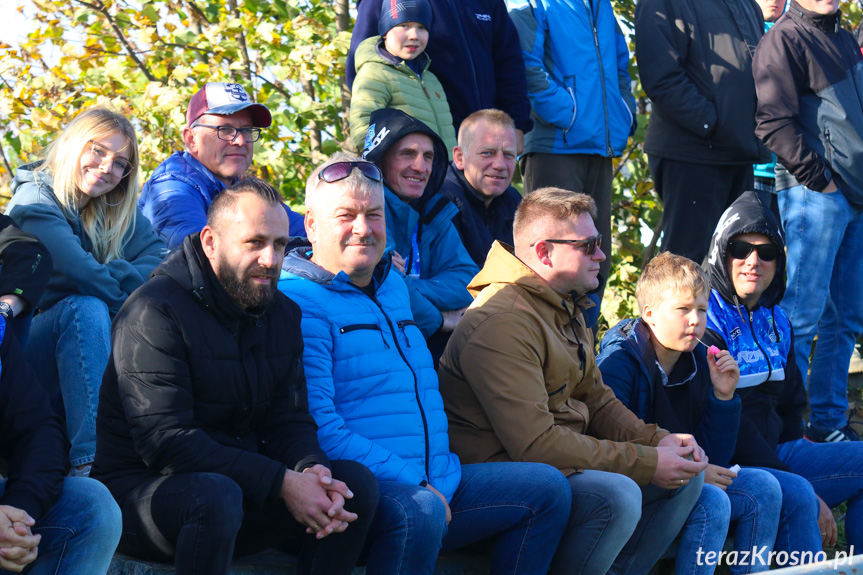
229 133
590 243
120 167
341 170
741 250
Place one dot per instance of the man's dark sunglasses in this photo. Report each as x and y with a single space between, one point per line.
590 243
341 170
741 251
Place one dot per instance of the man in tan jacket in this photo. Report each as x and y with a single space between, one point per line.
520 383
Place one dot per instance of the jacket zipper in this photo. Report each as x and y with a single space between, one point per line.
416 381
591 16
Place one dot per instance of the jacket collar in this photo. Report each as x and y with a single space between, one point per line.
826 23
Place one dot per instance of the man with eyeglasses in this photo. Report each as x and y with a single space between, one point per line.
520 383
374 394
222 125
746 267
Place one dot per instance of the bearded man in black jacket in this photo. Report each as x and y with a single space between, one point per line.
203 431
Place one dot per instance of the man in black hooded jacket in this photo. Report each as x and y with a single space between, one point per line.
746 266
203 431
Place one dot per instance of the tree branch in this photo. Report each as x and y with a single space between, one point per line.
130 50
241 39
624 159
5 161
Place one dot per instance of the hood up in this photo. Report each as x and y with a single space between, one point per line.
746 215
386 127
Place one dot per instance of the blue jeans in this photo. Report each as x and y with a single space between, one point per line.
824 235
525 505
80 533
663 513
753 501
835 472
606 508
69 347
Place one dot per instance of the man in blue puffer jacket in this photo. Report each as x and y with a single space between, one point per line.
374 395
579 88
222 124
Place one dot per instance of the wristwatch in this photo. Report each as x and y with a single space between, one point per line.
6 310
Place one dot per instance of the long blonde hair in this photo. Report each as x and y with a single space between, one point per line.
108 218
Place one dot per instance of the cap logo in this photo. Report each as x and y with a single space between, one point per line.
372 140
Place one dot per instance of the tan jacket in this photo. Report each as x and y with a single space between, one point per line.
514 387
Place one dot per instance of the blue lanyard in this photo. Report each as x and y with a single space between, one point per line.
414 270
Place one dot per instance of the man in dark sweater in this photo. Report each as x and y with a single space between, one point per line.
203 431
47 523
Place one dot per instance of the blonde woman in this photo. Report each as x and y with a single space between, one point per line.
80 201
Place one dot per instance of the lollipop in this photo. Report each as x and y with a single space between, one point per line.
712 350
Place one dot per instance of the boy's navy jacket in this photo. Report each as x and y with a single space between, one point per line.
628 366
761 341
475 54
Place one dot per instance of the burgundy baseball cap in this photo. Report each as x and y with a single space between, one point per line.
224 98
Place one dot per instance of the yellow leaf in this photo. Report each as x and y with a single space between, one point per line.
180 73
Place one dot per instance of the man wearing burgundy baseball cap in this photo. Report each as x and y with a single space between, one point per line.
222 124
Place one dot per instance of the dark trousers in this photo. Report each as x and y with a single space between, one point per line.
694 196
586 173
199 522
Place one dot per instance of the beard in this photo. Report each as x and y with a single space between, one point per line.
239 286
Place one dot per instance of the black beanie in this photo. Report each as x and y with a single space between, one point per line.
395 12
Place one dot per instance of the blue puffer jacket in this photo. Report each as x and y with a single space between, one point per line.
176 197
577 77
372 389
628 366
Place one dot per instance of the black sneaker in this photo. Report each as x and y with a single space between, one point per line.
820 435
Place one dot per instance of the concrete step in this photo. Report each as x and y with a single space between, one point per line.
277 563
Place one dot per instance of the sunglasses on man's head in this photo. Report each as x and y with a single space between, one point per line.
590 244
341 170
741 250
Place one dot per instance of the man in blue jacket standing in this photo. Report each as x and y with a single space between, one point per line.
582 106
475 55
374 394
222 126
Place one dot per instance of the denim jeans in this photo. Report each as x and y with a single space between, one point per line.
663 513
606 508
69 347
525 505
824 235
199 522
80 533
798 522
835 471
753 501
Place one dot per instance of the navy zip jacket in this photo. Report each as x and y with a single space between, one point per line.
809 79
687 405
475 54
761 341
479 226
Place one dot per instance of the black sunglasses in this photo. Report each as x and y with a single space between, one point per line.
341 170
590 243
741 250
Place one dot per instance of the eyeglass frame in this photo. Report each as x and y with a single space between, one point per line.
353 165
597 239
754 248
110 157
254 132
